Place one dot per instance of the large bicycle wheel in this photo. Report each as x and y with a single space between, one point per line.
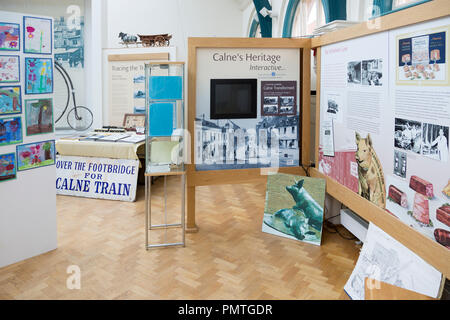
80 118
61 98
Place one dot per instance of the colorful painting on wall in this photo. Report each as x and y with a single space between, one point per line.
7 166
38 75
35 155
9 36
294 207
10 100
37 35
39 116
10 131
9 69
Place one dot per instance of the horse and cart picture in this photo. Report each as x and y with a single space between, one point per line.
155 40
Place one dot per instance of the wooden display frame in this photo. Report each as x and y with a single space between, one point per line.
432 252
236 176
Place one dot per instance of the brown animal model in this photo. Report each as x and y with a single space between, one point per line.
371 183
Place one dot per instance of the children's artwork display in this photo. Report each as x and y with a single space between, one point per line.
392 138
9 36
37 35
39 116
35 155
7 166
38 75
10 100
9 69
294 207
10 131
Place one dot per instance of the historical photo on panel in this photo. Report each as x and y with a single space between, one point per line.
400 160
435 141
408 135
372 73
270 100
270 109
354 72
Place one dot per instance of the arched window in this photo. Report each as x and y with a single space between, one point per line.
302 17
255 28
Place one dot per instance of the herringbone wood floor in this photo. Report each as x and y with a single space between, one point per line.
229 258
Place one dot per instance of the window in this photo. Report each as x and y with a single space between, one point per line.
403 3
308 16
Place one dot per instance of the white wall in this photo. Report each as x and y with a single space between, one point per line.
28 203
181 18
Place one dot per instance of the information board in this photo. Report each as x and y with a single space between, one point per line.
389 106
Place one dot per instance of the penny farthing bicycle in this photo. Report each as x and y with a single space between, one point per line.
78 118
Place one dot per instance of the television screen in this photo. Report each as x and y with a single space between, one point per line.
233 98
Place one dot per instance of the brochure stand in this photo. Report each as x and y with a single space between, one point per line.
164 148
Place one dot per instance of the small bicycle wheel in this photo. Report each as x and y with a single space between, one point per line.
80 118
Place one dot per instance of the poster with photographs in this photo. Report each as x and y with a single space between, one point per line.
408 135
372 72
278 98
354 72
9 69
422 57
435 141
400 163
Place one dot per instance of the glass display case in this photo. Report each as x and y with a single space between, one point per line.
165 149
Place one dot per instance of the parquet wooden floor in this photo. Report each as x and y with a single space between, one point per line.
229 258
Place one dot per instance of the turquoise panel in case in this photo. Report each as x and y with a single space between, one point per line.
165 87
161 119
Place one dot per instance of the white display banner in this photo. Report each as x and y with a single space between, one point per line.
102 178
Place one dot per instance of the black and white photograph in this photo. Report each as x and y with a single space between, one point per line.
246 143
287 101
270 100
354 72
435 141
270 109
400 161
408 135
333 106
286 109
372 72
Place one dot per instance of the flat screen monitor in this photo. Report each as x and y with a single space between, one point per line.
233 98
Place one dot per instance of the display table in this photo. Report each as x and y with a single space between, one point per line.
98 169
114 150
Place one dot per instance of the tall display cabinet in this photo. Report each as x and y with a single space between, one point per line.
165 154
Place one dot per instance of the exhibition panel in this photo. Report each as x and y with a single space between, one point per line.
383 131
269 79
